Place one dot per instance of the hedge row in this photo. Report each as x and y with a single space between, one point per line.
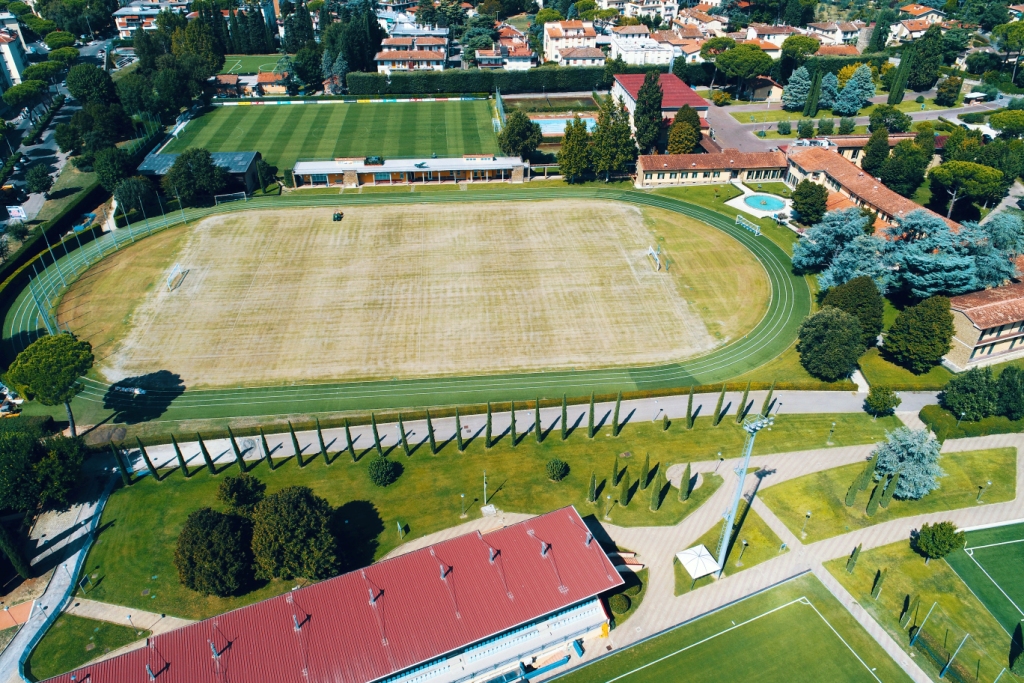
834 64
37 130
944 424
570 79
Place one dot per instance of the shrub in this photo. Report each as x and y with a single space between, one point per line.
634 589
921 335
860 298
948 91
847 125
619 603
826 126
809 201
919 99
384 472
241 493
881 401
557 469
938 540
1010 392
213 555
914 454
970 395
830 344
972 118
721 98
291 536
785 127
805 129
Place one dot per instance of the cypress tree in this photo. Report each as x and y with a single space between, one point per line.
656 491
624 483
908 614
684 485
592 494
206 455
512 424
615 415
590 418
181 458
320 438
295 445
401 432
664 421
458 428
767 405
565 418
890 491
145 456
348 441
851 493
899 81
121 466
876 495
879 580
234 449
536 421
689 410
430 435
718 407
867 475
266 450
376 435
9 547
645 473
615 472
851 563
487 431
811 106
743 404
234 32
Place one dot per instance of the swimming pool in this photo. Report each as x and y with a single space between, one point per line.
557 126
764 202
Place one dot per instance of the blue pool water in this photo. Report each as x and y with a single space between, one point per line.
557 126
763 202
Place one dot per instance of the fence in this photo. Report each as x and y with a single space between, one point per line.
949 649
500 106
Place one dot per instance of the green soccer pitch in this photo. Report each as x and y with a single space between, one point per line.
794 633
990 565
249 64
285 133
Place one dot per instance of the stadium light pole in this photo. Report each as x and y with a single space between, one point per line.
751 426
830 432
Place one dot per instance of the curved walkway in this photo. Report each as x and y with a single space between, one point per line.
790 302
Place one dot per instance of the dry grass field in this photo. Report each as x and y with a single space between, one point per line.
416 291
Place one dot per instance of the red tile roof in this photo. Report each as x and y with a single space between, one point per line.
915 25
837 50
920 10
391 616
581 53
674 93
726 159
992 307
409 56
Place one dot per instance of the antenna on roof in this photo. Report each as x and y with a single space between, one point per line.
295 619
492 553
149 672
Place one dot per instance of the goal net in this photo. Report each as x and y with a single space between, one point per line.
655 256
175 277
233 197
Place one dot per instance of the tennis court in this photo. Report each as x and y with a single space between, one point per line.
992 566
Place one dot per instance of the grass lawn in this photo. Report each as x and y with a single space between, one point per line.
72 641
780 189
991 566
427 496
753 640
762 545
249 64
286 133
784 368
775 134
66 190
824 493
635 589
957 610
878 370
782 115
7 635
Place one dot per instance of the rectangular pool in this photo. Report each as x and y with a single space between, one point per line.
556 126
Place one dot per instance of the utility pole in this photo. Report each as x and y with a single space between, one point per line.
752 425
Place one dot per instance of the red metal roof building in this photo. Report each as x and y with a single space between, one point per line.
441 607
674 94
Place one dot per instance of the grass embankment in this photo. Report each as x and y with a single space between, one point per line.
73 641
956 613
906 106
427 497
776 188
878 370
635 589
824 493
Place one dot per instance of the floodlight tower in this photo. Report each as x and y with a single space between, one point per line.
752 425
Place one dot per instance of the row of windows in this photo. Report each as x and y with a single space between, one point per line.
683 175
763 175
1012 328
989 348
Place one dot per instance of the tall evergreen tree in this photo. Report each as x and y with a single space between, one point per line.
647 115
430 435
883 26
206 455
689 410
645 472
458 433
767 405
876 496
565 418
235 34
349 446
890 490
794 95
149 463
829 91
615 415
928 56
813 95
320 440
9 547
624 484
876 151
295 445
614 149
717 417
656 491
376 435
122 466
487 430
684 484
266 451
899 81
592 493
402 436
234 449
512 424
742 409
590 418
574 154
181 458
538 432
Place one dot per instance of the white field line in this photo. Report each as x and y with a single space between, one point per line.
994 582
992 545
869 669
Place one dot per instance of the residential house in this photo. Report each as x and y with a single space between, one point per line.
618 5
661 170
407 53
1016 12
837 51
142 14
670 40
272 83
634 46
708 24
687 31
837 32
513 58
771 34
564 35
690 51
852 146
765 89
988 327
227 85
665 9
410 29
581 56
923 13
674 94
771 49
13 59
908 29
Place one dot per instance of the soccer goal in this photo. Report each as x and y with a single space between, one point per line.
655 256
752 227
175 277
232 197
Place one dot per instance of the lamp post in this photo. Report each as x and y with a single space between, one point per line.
830 432
463 496
803 529
743 549
961 418
485 487
751 426
981 490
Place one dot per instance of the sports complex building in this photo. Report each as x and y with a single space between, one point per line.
504 606
354 172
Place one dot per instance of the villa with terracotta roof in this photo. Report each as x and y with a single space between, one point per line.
412 53
663 170
674 94
639 48
924 13
837 32
563 35
908 29
837 51
707 24
988 327
852 146
581 56
1016 12
273 83
772 34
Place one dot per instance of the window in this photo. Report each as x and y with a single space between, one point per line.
318 178
647 176
382 176
661 176
716 174
856 153
672 176
707 174
694 175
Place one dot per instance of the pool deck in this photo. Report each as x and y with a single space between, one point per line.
545 122
739 203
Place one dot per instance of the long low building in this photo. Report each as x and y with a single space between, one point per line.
505 606
240 167
988 327
353 172
662 170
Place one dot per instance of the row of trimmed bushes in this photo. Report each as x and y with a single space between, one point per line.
570 79
944 424
834 64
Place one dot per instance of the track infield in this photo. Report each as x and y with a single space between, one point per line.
407 291
991 566
793 633
286 133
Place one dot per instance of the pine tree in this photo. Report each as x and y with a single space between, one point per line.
295 445
404 438
565 418
234 448
145 456
851 563
645 473
458 430
767 405
487 430
879 580
876 495
320 439
9 547
664 421
122 467
181 458
430 435
813 95
742 409
647 115
718 407
656 491
684 484
512 424
376 436
890 491
829 91
349 446
206 455
590 418
574 154
592 495
689 410
876 151
266 450
536 421
615 415
613 149
794 95
624 484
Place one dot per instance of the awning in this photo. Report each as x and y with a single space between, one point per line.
697 561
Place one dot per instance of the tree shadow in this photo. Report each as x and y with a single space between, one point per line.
600 423
143 398
1016 645
746 410
725 411
624 422
652 475
575 425
356 526
64 192
472 437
